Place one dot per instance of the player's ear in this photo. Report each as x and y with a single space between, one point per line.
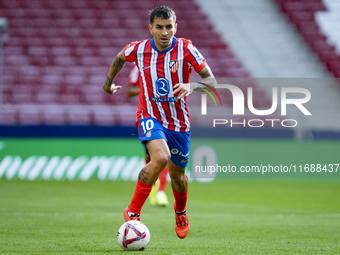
150 29
175 29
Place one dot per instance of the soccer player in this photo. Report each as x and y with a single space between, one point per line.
165 64
157 194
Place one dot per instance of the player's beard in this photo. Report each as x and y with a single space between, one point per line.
164 42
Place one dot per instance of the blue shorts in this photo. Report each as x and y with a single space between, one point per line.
179 142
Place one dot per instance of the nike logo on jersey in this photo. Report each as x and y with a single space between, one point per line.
145 67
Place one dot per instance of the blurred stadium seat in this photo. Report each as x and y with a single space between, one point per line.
59 53
318 22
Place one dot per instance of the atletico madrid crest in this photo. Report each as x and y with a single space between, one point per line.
173 65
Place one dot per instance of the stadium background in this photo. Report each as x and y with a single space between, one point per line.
58 124
56 55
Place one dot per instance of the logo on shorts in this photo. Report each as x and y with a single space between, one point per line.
184 161
148 134
174 151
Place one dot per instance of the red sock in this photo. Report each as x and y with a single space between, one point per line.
181 200
163 179
142 192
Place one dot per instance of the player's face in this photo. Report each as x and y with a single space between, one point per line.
163 31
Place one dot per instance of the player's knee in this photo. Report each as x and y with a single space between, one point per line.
161 159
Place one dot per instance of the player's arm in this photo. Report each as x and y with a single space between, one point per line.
115 68
208 80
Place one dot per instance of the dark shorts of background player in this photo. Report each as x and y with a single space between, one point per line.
178 142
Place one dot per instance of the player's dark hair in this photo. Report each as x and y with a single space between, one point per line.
162 12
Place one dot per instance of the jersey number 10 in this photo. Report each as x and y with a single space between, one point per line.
147 125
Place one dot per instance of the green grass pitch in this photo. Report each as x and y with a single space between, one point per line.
231 216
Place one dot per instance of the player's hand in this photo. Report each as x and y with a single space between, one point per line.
111 89
114 88
183 90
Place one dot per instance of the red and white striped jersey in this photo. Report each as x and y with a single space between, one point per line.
159 72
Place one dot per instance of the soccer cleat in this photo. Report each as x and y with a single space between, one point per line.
127 217
161 198
182 224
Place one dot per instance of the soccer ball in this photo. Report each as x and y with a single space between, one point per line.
133 235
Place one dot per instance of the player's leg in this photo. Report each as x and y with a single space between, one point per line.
156 144
179 185
179 145
147 158
157 195
159 157
159 154
152 196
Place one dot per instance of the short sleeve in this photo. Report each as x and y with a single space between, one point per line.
195 58
130 52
